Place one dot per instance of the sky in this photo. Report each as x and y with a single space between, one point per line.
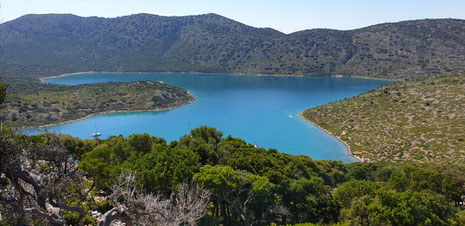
284 15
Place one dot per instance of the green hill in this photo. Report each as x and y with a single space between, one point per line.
41 104
37 45
419 121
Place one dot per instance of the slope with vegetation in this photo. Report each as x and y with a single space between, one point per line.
41 104
37 45
418 121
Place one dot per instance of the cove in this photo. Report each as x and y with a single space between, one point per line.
263 110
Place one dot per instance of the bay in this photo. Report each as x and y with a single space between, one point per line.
263 110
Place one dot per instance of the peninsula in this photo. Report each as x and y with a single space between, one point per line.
51 104
418 121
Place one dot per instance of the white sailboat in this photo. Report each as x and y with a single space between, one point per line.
96 134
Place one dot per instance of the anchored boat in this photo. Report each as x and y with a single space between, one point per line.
96 134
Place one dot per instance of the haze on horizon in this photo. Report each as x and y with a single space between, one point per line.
288 17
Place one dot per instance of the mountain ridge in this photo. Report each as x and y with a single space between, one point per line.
52 44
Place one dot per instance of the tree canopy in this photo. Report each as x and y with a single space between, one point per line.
2 92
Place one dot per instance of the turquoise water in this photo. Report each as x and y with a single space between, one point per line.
261 110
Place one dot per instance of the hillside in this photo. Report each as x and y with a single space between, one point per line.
53 44
418 120
37 45
47 104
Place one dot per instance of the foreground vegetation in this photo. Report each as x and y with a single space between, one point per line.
43 45
40 104
241 184
418 121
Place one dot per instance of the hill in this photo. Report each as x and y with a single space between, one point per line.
41 104
410 121
37 45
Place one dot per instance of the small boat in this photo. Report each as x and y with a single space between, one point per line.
96 134
290 116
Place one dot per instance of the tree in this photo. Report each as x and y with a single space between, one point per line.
352 189
413 208
164 168
208 134
2 92
239 194
310 200
203 141
412 196
98 166
161 168
40 181
355 197
132 206
417 179
141 143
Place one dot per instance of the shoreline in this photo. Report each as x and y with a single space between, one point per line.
359 159
207 73
42 79
108 112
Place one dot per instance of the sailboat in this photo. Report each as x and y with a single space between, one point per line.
96 134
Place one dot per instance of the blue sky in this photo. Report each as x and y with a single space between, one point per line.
286 16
